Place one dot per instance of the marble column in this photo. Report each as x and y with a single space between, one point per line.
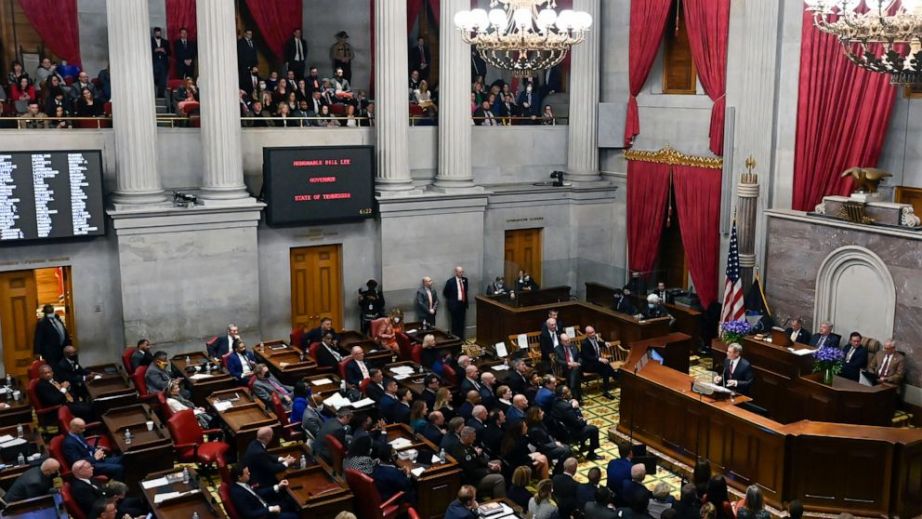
747 200
217 52
134 116
454 171
582 142
392 119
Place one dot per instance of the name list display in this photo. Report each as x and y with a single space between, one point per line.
53 194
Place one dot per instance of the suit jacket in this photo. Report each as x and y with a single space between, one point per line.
49 395
481 117
450 442
451 294
263 389
312 421
325 358
316 334
416 59
235 367
290 50
516 382
432 433
533 108
246 54
248 504
547 343
32 483
594 510
64 371
858 362
374 391
387 407
515 415
560 354
422 304
458 511
156 379
354 374
468 385
220 347
85 494
832 341
632 492
140 358
48 342
389 480
587 353
184 52
565 488
895 370
75 449
742 374
263 465
803 336
160 58
624 305
321 445
618 472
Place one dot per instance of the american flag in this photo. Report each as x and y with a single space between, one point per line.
733 307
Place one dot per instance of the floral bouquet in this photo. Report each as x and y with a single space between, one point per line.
828 360
733 331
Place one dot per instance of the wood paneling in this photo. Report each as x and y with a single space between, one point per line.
679 75
522 252
316 286
17 34
17 319
911 196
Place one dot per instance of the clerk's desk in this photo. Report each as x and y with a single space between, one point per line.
830 467
784 385
687 319
498 318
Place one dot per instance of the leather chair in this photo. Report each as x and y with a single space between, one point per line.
165 410
296 336
140 383
368 501
337 454
412 513
224 359
405 346
46 415
126 358
33 368
56 450
342 367
416 354
449 373
225 495
187 440
250 382
291 432
72 507
97 429
363 385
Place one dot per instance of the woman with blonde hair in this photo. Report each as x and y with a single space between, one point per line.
541 506
443 403
518 489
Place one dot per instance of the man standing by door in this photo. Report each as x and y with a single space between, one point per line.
50 337
456 297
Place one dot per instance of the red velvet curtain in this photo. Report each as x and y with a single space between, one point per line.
697 197
434 5
647 193
414 7
648 21
842 117
55 21
708 23
276 20
179 14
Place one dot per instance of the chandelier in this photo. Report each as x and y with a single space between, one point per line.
524 36
878 35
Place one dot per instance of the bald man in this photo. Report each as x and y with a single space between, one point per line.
82 487
357 370
75 447
263 465
427 302
34 482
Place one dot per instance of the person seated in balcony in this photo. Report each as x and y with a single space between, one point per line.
187 97
285 118
87 105
259 116
59 121
17 72
22 94
326 119
341 86
33 118
547 117
484 115
351 121
424 99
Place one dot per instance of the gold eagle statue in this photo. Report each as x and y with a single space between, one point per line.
866 179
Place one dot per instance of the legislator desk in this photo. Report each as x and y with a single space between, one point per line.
688 319
324 384
288 363
439 483
784 385
19 410
314 489
830 467
496 321
242 414
149 450
35 444
111 387
194 496
673 348
49 506
444 341
375 354
415 382
202 383
542 296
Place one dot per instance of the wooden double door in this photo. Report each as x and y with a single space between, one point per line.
522 252
316 286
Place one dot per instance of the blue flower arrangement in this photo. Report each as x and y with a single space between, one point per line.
828 360
733 331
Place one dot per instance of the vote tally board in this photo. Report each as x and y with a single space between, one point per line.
50 194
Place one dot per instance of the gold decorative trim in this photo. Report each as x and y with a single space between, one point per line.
669 155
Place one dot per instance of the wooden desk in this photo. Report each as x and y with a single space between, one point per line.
315 490
415 383
542 296
444 340
786 387
149 450
438 485
673 348
325 389
519 513
114 388
247 415
36 444
201 385
20 411
688 320
830 467
288 363
49 506
375 355
201 502
499 368
497 321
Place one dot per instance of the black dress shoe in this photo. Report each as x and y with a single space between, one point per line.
594 457
608 395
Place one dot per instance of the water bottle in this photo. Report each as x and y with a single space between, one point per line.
9 380
207 367
442 456
302 356
21 459
188 360
127 436
19 431
185 475
303 461
342 386
195 515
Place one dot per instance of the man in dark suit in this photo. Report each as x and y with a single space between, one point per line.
623 302
427 302
34 482
516 379
619 470
568 359
470 382
51 393
296 53
566 411
431 386
599 508
316 334
549 340
586 491
75 448
592 360
357 370
222 345
241 363
256 503
185 51
797 333
246 51
69 370
250 82
825 338
375 388
478 66
262 464
420 58
477 467
517 410
400 413
456 297
387 404
336 427
84 491
856 357
633 491
565 487
737 372
529 103
161 58
50 337
328 354
433 430
142 355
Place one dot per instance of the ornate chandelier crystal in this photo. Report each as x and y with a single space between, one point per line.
523 36
879 35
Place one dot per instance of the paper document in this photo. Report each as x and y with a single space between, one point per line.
500 349
363 402
402 376
570 331
500 367
336 401
5 438
411 332
522 340
154 483
12 443
418 471
400 443
322 382
200 376
223 405
400 370
801 352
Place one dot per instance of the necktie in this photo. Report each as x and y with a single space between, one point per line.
732 368
429 296
794 336
250 490
566 352
822 341
595 345
298 50
848 358
278 388
884 366
58 328
460 289
422 56
363 368
250 43
335 355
